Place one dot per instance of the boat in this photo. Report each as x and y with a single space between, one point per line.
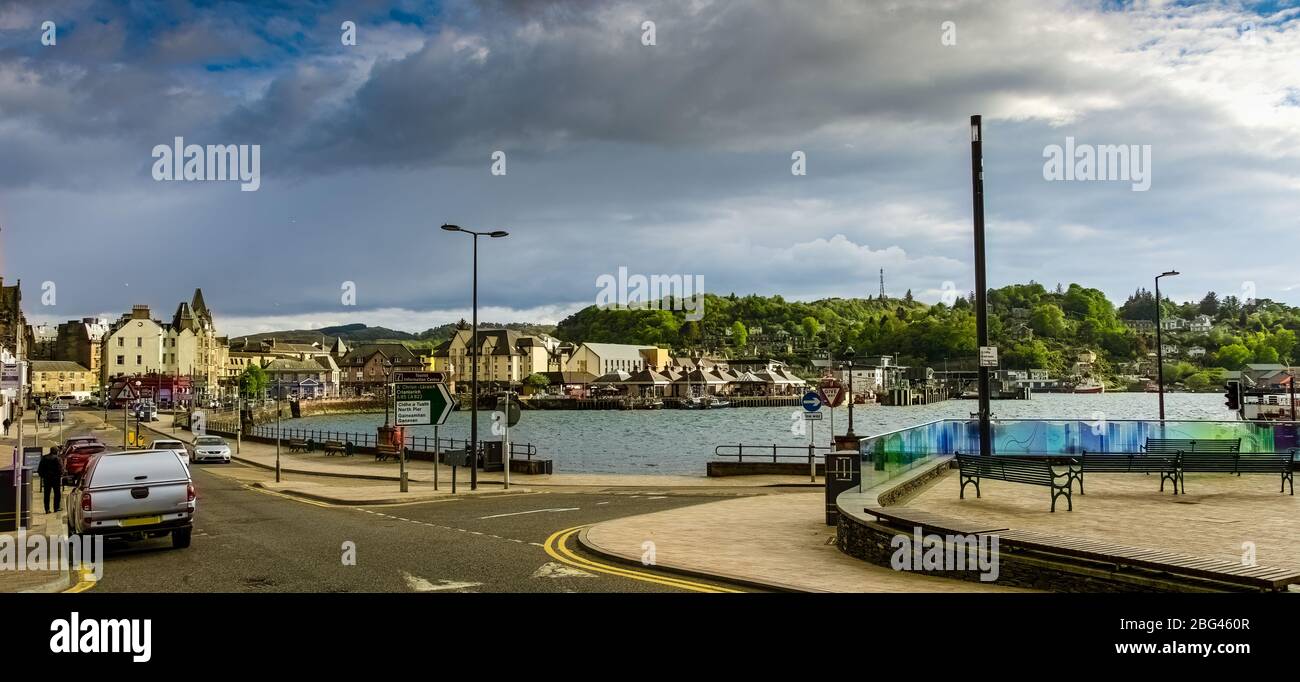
1089 386
696 403
719 402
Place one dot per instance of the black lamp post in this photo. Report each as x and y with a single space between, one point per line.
1160 350
473 415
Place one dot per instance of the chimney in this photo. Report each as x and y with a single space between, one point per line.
139 312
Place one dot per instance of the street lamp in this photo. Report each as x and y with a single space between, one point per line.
278 391
473 414
1160 351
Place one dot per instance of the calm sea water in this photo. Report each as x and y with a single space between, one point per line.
681 441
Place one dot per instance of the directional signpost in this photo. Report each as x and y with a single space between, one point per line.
812 404
423 404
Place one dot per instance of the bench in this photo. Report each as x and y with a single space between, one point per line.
1017 470
335 447
1250 463
1174 446
1127 463
385 451
297 445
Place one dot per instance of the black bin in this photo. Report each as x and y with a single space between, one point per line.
7 498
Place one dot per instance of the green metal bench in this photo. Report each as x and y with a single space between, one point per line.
1017 470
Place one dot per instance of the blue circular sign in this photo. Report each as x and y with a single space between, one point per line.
812 401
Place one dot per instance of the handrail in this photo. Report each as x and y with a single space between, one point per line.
738 451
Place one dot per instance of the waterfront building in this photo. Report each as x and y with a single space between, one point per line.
81 341
53 378
138 344
294 378
504 356
604 358
162 389
368 367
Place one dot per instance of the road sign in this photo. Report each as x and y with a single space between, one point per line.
12 375
423 404
832 391
988 356
812 401
405 377
812 416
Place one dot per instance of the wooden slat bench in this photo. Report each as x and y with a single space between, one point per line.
1250 463
386 451
1017 470
297 445
1173 446
335 447
1127 463
910 518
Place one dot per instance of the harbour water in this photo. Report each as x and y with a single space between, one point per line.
682 441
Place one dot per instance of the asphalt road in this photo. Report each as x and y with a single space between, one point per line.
249 540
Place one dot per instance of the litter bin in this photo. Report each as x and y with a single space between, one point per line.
492 456
7 498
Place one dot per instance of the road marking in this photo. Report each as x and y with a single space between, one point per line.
418 584
554 569
85 582
531 511
292 497
555 546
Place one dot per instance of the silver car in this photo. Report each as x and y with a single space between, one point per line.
134 495
210 447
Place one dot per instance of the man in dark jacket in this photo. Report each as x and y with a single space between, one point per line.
51 472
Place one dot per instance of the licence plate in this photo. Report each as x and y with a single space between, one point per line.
142 521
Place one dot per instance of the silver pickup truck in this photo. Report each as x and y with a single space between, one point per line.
134 495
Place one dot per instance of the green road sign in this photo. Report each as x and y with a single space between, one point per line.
423 404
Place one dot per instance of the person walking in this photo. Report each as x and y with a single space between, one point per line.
51 473
7 423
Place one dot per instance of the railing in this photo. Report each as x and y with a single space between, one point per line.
764 451
365 440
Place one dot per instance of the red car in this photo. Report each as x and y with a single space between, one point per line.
76 457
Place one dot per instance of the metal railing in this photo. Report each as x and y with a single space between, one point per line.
774 451
367 440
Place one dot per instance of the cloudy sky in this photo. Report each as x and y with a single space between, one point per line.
672 158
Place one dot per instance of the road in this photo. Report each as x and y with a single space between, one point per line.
251 540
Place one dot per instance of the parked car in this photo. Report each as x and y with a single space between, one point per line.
79 440
134 495
210 447
53 416
146 412
172 445
76 458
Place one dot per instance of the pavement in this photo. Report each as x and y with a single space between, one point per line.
779 541
42 523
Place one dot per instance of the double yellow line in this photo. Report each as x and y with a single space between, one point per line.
556 546
86 580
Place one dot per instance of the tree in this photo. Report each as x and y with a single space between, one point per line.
536 382
253 382
1209 305
1233 356
1047 319
811 327
739 335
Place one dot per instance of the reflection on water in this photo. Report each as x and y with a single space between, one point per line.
681 441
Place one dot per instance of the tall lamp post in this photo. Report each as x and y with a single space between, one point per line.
278 391
473 391
1160 350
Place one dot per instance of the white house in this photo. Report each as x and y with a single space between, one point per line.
604 358
1201 324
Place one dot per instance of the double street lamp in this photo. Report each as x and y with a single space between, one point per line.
1160 354
473 415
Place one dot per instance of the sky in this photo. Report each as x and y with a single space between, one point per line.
674 157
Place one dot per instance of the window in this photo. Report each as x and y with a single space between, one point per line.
139 359
139 342
121 359
121 342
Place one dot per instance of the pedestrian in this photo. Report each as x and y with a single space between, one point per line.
8 421
51 473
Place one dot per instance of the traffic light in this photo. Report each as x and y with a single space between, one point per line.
1232 395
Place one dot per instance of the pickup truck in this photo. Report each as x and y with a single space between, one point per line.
75 459
134 495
